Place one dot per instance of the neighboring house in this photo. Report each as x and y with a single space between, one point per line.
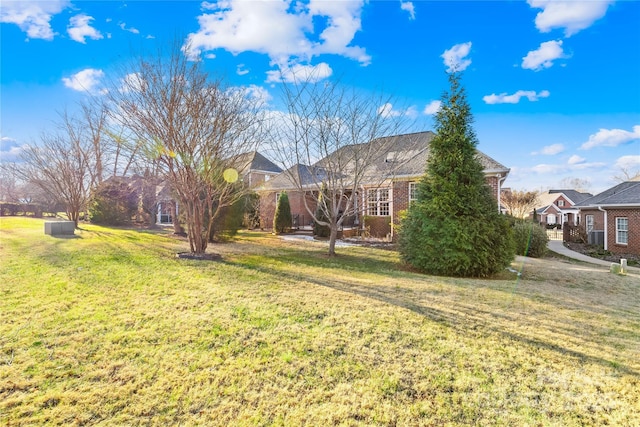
556 207
378 205
253 168
615 215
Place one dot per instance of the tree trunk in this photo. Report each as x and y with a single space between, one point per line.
332 240
177 228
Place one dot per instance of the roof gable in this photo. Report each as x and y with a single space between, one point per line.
254 161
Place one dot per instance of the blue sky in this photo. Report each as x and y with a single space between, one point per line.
554 86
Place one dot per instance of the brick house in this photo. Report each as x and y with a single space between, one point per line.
615 213
381 198
254 169
555 207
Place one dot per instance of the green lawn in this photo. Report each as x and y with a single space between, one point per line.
110 328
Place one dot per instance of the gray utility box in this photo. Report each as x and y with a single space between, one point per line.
596 237
59 228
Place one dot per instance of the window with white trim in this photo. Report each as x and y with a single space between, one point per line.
561 203
413 191
378 202
622 230
588 219
551 219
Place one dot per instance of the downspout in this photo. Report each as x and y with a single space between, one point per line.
606 226
499 186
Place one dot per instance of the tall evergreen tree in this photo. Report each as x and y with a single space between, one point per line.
282 220
454 228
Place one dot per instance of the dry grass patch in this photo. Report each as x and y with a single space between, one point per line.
111 328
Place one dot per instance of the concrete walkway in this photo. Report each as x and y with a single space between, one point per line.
558 247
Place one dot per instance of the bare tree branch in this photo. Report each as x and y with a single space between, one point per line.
192 127
332 141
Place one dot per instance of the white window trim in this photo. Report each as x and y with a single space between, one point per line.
620 230
588 223
413 184
378 202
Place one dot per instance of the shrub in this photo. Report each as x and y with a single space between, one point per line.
228 222
530 239
282 220
113 203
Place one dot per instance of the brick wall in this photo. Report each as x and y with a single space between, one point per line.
633 244
378 226
633 215
400 199
296 202
493 182
598 218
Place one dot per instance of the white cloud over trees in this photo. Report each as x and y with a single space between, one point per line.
87 80
432 108
300 73
456 58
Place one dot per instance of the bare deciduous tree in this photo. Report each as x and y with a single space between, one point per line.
578 184
193 127
627 174
60 166
519 203
329 141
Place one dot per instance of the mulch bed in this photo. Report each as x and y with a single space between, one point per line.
598 252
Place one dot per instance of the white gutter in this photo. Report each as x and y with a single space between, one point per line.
606 226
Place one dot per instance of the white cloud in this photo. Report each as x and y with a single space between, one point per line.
432 108
133 30
386 110
408 6
33 17
79 29
284 30
544 56
628 162
545 169
300 73
84 81
573 16
255 93
132 82
611 138
454 58
240 70
575 160
503 98
10 149
550 150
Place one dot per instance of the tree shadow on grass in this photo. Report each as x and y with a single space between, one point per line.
463 318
